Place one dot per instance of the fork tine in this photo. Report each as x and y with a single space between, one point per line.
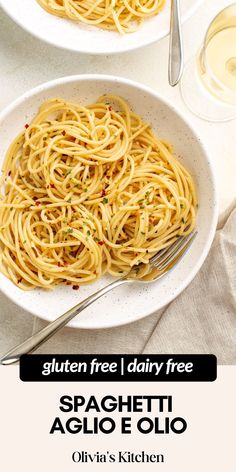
159 256
175 252
160 253
173 249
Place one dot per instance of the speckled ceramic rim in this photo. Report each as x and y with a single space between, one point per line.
146 42
147 90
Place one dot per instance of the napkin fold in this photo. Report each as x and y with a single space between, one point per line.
200 320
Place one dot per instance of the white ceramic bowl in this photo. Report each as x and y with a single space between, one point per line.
87 39
127 303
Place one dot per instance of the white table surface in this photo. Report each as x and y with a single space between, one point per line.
25 63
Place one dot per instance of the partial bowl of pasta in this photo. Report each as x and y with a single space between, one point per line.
99 27
98 174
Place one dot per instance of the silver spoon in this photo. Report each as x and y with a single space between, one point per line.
176 57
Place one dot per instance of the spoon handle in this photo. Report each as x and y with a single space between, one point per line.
176 45
44 334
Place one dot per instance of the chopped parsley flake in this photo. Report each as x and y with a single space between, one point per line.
68 231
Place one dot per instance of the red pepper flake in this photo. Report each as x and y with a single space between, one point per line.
110 108
68 283
9 173
37 203
63 133
65 263
95 273
100 243
26 126
52 186
35 198
103 193
19 280
75 287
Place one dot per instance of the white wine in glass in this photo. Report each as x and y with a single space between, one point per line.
209 82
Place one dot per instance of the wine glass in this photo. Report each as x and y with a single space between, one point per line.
208 85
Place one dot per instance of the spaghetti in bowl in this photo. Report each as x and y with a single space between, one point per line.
116 233
124 16
88 190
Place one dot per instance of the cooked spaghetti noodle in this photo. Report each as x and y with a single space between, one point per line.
124 16
87 191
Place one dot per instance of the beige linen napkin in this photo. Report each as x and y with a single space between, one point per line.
201 320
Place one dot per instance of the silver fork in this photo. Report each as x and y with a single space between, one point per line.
161 263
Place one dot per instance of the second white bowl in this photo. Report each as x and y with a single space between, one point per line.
83 38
